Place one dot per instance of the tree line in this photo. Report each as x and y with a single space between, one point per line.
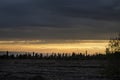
58 56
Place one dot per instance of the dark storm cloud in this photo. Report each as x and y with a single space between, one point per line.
55 12
96 9
28 13
63 19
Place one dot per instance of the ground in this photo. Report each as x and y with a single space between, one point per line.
16 69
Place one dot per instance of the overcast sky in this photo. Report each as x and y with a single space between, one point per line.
58 19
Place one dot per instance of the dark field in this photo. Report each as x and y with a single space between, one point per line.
52 70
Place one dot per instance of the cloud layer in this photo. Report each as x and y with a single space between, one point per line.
58 19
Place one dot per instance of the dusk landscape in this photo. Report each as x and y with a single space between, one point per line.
59 39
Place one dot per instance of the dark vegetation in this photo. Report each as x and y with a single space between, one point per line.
61 56
112 70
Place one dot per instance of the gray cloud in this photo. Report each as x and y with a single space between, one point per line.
79 32
52 12
58 19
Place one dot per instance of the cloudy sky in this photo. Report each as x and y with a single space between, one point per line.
59 19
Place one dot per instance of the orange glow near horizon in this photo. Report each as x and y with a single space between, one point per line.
67 46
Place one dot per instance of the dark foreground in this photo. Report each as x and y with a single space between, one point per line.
15 69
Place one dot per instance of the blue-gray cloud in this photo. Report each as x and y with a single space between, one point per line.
54 12
85 16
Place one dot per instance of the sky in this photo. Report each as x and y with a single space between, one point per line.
59 22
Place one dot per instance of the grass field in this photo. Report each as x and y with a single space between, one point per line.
52 70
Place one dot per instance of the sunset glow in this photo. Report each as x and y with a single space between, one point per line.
57 46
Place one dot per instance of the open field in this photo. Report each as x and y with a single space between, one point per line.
52 70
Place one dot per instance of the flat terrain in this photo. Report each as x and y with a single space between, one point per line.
52 70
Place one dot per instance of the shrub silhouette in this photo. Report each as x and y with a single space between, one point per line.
112 69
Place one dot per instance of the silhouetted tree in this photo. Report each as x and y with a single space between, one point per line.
7 53
112 69
41 55
33 54
36 55
114 45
